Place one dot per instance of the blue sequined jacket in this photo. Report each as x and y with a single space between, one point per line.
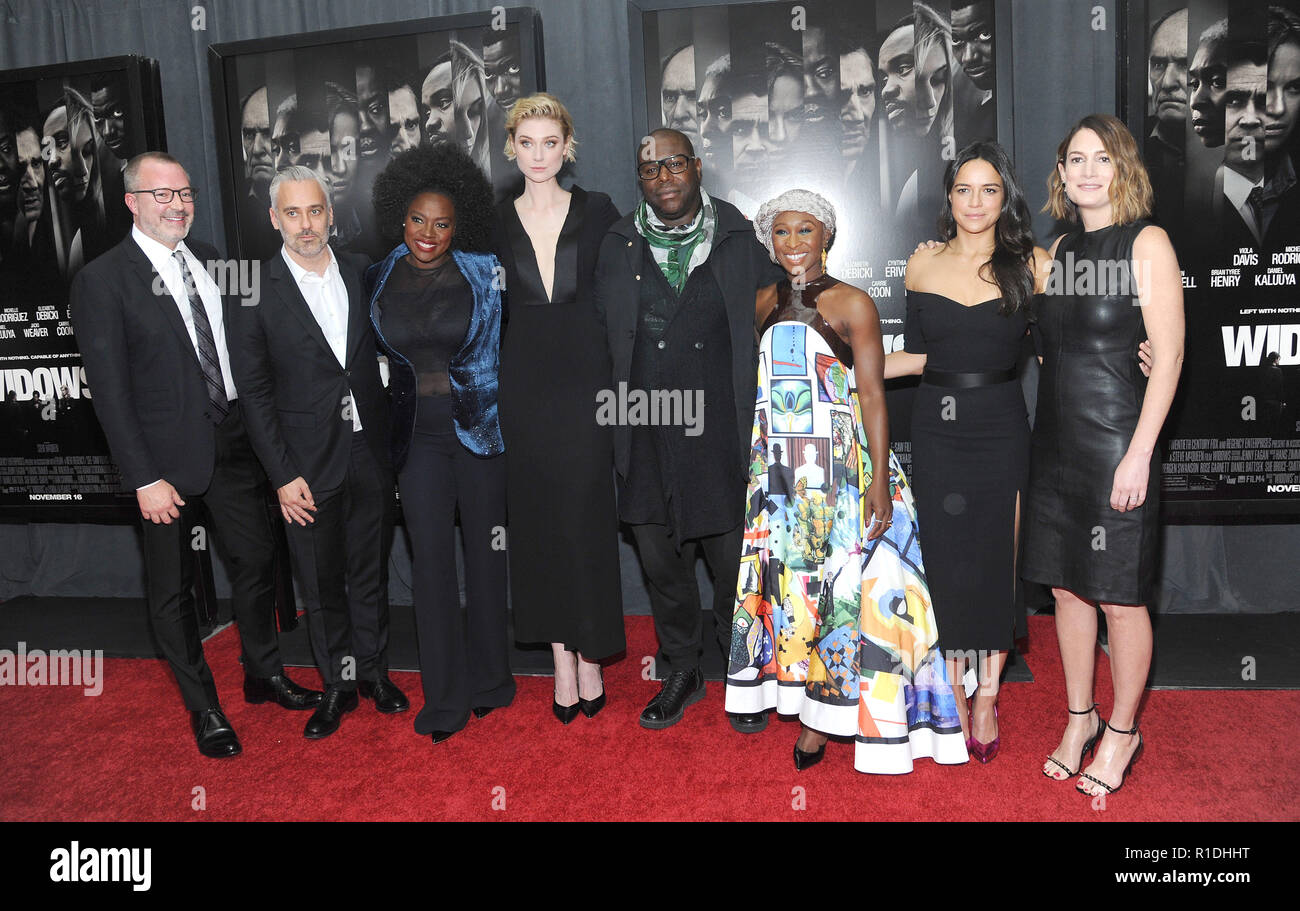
472 371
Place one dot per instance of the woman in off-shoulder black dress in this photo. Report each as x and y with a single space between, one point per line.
563 533
967 306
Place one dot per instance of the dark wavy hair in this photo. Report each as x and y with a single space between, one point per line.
1011 265
442 168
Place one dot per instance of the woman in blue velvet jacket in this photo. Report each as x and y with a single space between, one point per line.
436 307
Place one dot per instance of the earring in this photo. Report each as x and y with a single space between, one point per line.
823 260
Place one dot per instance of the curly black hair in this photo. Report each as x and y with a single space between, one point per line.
443 168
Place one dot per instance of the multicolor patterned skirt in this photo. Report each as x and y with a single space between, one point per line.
829 626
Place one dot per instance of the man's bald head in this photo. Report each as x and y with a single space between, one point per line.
675 141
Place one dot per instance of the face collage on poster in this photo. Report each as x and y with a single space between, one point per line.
64 140
1222 102
862 102
344 110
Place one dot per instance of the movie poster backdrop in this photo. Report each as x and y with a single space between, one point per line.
343 102
1214 96
862 101
66 132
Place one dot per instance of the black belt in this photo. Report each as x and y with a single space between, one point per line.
952 380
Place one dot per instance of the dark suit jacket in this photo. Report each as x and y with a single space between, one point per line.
292 386
1232 232
740 265
144 375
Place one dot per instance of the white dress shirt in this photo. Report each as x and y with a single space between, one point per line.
170 271
166 267
327 298
1237 189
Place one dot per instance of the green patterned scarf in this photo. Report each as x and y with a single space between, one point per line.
680 245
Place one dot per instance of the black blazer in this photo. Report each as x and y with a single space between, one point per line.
144 375
1232 232
292 386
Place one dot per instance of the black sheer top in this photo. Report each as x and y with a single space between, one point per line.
426 313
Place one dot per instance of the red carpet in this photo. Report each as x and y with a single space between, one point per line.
128 755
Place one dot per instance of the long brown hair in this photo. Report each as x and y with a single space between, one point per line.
1131 197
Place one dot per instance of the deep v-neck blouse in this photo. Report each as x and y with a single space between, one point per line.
564 287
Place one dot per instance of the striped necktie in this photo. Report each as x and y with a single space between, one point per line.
207 344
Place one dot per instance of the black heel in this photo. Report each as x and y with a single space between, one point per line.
591 706
1089 747
1128 768
565 713
804 760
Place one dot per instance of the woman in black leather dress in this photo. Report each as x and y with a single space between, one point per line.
967 306
1092 513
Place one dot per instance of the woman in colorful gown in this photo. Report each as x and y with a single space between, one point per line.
564 578
967 305
1092 513
833 620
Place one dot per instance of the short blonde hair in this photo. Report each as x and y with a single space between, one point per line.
1131 196
540 106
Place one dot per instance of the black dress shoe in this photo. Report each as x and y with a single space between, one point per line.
215 737
483 711
279 689
682 688
388 698
747 723
325 720
804 760
440 736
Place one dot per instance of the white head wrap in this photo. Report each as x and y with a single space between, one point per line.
793 201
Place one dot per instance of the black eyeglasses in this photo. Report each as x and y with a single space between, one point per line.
164 194
676 164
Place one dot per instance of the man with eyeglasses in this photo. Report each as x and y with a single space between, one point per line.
675 286
151 325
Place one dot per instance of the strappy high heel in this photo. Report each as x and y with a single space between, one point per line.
1089 746
1132 759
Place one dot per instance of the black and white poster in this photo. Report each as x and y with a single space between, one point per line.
343 102
66 132
862 101
1214 96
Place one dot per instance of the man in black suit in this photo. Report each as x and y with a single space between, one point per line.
151 325
1256 193
306 362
